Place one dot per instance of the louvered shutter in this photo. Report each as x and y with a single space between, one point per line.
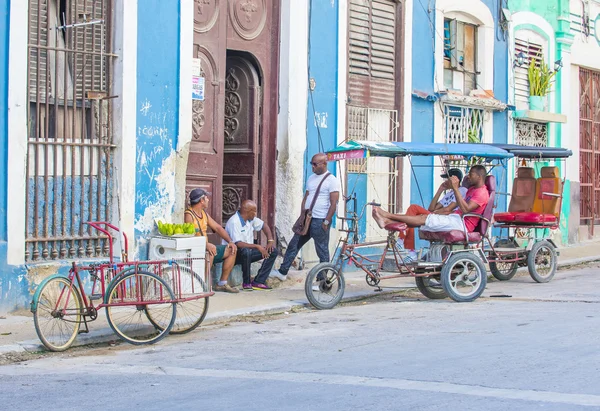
89 68
529 50
372 52
38 57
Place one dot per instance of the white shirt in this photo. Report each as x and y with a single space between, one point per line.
331 185
450 198
240 230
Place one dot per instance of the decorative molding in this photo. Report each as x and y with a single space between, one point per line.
233 105
248 17
232 200
206 13
529 133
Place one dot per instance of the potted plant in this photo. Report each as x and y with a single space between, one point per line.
540 82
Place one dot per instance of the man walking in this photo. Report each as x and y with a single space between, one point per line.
241 227
198 216
328 187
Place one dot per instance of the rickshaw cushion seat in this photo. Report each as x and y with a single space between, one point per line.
507 217
396 227
449 237
535 218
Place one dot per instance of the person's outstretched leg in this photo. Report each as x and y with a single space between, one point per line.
409 239
411 221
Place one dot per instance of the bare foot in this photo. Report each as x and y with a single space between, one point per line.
378 218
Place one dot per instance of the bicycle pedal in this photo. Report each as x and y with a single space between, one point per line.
83 331
95 297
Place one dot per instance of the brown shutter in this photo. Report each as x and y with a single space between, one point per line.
371 53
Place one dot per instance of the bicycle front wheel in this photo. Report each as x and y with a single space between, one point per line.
324 286
129 300
185 284
58 314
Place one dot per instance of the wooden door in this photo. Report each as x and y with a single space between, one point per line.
205 161
243 99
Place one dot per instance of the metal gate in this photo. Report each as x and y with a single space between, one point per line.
70 144
589 147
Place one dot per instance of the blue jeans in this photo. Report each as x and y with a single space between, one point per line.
246 256
321 238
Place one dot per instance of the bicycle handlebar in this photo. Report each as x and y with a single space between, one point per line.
98 226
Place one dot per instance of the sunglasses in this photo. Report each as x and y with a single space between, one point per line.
315 164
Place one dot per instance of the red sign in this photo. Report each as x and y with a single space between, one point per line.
346 155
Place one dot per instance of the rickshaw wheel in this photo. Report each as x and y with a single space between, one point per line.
430 290
504 271
324 286
464 277
541 261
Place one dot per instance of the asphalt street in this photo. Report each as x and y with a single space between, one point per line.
523 346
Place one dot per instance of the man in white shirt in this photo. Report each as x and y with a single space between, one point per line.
241 227
322 214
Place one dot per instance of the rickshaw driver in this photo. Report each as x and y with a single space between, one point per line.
474 201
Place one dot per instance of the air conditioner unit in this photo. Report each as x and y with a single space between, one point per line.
178 248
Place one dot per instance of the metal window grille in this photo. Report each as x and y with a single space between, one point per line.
70 144
372 124
528 133
463 124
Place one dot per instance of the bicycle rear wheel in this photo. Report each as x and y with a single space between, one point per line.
185 285
58 314
133 295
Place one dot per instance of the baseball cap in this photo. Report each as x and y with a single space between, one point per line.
196 194
453 172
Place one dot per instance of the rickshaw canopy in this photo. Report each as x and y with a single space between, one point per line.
532 152
362 149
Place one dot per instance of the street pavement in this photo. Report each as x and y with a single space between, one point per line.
521 346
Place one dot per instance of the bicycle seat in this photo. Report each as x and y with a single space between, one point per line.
396 227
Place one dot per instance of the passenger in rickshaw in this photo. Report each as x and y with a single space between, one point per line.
474 201
446 205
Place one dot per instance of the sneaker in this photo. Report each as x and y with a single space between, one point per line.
277 274
247 287
226 289
259 286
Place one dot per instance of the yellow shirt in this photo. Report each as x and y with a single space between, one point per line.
200 222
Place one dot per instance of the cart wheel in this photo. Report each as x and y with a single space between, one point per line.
541 261
132 300
464 277
187 284
324 286
431 287
58 314
504 271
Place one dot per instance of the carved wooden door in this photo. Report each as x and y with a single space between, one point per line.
206 149
242 134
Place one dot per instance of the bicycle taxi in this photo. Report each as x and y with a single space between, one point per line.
454 264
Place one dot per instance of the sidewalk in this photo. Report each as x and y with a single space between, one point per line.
17 332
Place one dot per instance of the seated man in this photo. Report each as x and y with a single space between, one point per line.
444 206
475 201
225 254
241 227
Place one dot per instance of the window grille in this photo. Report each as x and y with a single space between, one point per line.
70 145
528 133
463 124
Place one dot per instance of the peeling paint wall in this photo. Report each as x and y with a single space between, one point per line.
157 117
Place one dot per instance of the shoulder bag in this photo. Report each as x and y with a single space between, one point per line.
302 224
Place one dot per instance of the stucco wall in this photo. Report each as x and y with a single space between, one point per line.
157 117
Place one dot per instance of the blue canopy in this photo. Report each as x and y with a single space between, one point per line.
533 152
359 149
